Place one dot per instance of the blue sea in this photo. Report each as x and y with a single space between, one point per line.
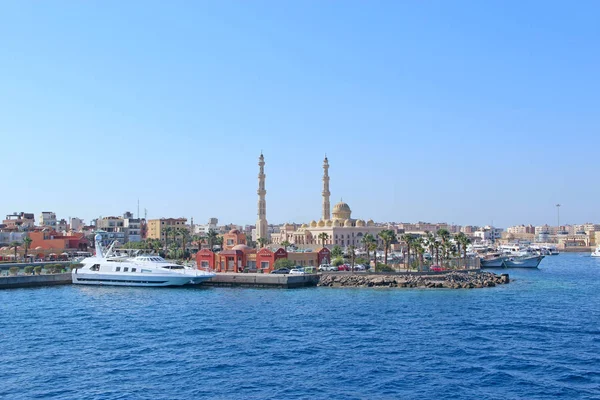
536 338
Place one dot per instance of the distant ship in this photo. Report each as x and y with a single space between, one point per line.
106 268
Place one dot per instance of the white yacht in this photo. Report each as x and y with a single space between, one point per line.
596 253
108 268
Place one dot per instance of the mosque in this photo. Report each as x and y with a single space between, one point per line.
341 229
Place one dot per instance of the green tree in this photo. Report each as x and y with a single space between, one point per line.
38 269
462 242
336 251
444 235
27 244
283 263
367 240
352 256
407 238
285 244
323 237
261 242
15 246
168 230
388 237
418 245
337 261
373 247
430 240
14 270
211 238
29 269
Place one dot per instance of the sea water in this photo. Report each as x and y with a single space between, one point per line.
537 337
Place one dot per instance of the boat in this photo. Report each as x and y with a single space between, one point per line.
117 269
492 262
523 262
596 253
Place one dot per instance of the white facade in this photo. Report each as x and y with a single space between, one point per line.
48 218
76 224
7 238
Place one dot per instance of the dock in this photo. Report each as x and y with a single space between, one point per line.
263 280
25 281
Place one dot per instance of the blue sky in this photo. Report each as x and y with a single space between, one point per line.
466 111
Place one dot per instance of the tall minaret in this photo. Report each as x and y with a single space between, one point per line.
326 206
261 222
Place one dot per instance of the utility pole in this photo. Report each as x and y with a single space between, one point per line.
558 218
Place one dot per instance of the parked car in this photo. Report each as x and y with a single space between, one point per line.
359 267
325 267
310 270
297 271
281 271
344 267
436 268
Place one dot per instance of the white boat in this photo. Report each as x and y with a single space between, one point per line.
107 268
596 253
523 262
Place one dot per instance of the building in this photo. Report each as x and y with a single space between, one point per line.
133 227
521 229
213 224
156 227
341 229
48 218
488 233
19 221
76 224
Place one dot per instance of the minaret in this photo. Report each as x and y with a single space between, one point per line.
326 206
261 222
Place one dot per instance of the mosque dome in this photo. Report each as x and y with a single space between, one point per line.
313 224
321 223
341 211
329 223
304 226
348 222
360 222
370 223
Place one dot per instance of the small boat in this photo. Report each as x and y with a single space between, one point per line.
523 262
109 268
596 253
492 260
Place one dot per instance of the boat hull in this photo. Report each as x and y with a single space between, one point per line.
82 278
493 263
528 262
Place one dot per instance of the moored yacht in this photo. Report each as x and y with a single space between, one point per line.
596 253
523 261
107 268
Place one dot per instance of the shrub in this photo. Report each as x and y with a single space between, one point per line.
14 270
361 260
284 263
337 261
29 269
38 269
383 268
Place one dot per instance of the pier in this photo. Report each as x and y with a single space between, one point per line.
24 281
263 280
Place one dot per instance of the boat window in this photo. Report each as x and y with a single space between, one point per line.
133 269
95 267
146 270
118 269
125 269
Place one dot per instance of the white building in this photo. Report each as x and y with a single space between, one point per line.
76 224
488 233
48 218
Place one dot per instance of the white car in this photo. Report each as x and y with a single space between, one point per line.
359 267
297 271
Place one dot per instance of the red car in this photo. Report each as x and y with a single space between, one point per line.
344 267
436 268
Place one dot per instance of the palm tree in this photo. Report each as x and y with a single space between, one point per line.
388 237
285 244
168 230
462 241
323 236
27 243
418 244
366 241
261 242
444 234
211 238
407 238
185 235
373 248
219 241
430 238
437 246
352 254
14 245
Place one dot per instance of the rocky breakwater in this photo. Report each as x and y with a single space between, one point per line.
450 280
